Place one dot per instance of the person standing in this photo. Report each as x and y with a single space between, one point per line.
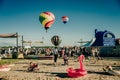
65 58
93 51
98 54
62 52
55 51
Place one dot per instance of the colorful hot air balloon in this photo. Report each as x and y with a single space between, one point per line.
65 19
47 19
56 40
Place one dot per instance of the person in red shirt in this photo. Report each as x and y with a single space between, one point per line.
32 67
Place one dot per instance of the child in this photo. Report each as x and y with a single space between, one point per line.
33 67
65 57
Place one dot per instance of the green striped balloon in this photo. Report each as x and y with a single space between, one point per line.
47 19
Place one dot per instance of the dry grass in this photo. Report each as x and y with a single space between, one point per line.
49 72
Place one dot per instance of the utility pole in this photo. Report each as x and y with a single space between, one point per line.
17 40
22 42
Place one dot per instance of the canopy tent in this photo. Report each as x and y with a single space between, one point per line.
88 44
15 35
9 35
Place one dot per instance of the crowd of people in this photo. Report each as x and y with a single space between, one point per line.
62 52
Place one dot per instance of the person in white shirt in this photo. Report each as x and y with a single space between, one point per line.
55 51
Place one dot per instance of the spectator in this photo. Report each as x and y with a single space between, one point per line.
65 59
55 51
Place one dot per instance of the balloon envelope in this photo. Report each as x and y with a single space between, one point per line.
46 19
65 19
56 40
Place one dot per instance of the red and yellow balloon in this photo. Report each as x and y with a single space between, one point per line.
46 19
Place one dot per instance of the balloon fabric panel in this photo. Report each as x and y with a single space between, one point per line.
47 19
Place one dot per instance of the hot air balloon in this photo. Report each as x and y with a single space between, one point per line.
56 40
65 19
46 19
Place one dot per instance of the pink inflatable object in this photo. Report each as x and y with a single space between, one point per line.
4 68
74 73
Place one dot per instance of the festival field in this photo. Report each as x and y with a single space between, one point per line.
48 71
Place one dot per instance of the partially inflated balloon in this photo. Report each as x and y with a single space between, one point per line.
65 19
56 40
47 19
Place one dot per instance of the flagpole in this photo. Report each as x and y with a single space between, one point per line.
22 42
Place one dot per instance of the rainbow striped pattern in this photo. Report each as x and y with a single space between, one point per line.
47 19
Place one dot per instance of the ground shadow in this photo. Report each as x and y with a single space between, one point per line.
61 75
3 79
31 71
94 65
101 73
47 64
21 70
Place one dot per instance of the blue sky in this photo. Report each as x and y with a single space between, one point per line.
22 16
